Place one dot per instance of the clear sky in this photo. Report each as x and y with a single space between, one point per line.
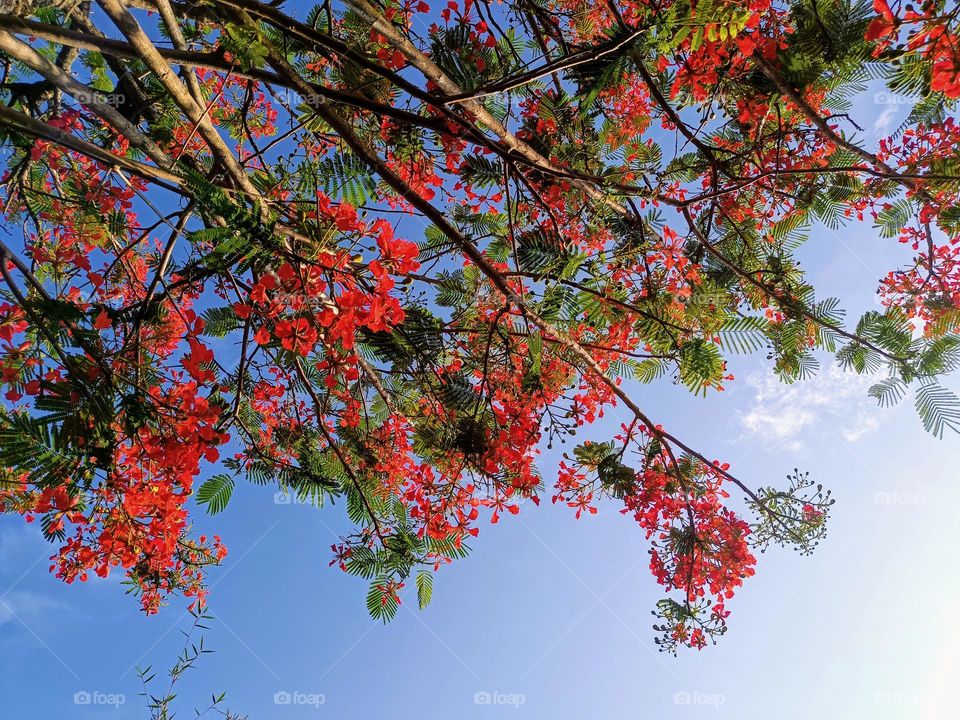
550 617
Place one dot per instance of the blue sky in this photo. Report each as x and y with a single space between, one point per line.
550 617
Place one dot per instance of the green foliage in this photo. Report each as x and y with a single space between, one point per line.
470 64
938 407
424 588
215 493
245 45
701 365
888 392
539 252
610 61
744 334
796 516
236 236
481 171
603 458
381 604
345 177
220 321
37 448
894 217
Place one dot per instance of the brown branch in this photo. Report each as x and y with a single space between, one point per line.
85 95
382 168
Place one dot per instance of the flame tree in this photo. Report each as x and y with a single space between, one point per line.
388 252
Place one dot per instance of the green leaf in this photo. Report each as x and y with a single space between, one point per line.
700 365
345 177
215 493
482 172
888 392
28 444
424 588
220 321
891 220
535 344
380 604
938 407
743 335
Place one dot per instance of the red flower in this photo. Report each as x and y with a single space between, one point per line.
103 321
297 336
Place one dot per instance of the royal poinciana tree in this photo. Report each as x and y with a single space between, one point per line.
388 252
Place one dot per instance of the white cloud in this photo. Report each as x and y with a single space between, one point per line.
25 605
832 402
884 121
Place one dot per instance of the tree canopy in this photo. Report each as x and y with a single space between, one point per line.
386 252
